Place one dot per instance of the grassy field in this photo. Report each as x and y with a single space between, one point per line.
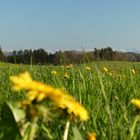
105 89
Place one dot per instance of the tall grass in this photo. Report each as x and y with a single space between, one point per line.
106 95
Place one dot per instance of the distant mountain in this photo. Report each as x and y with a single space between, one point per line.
132 50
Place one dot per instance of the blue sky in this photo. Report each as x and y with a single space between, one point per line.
69 24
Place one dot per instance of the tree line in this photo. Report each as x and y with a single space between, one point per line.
40 56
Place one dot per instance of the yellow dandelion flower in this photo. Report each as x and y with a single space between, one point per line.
133 71
21 81
24 81
136 103
66 75
39 96
54 72
92 136
65 101
105 69
32 95
39 91
24 103
87 68
110 74
120 76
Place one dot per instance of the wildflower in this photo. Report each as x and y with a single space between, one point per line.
133 71
21 82
39 96
66 75
110 74
105 69
87 68
65 101
92 136
120 76
54 72
39 91
136 103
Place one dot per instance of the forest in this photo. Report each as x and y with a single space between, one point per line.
41 56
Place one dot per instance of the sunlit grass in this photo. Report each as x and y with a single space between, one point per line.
104 88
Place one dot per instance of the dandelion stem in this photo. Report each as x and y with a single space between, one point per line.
66 130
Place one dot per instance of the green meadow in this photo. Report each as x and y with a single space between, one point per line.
104 88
